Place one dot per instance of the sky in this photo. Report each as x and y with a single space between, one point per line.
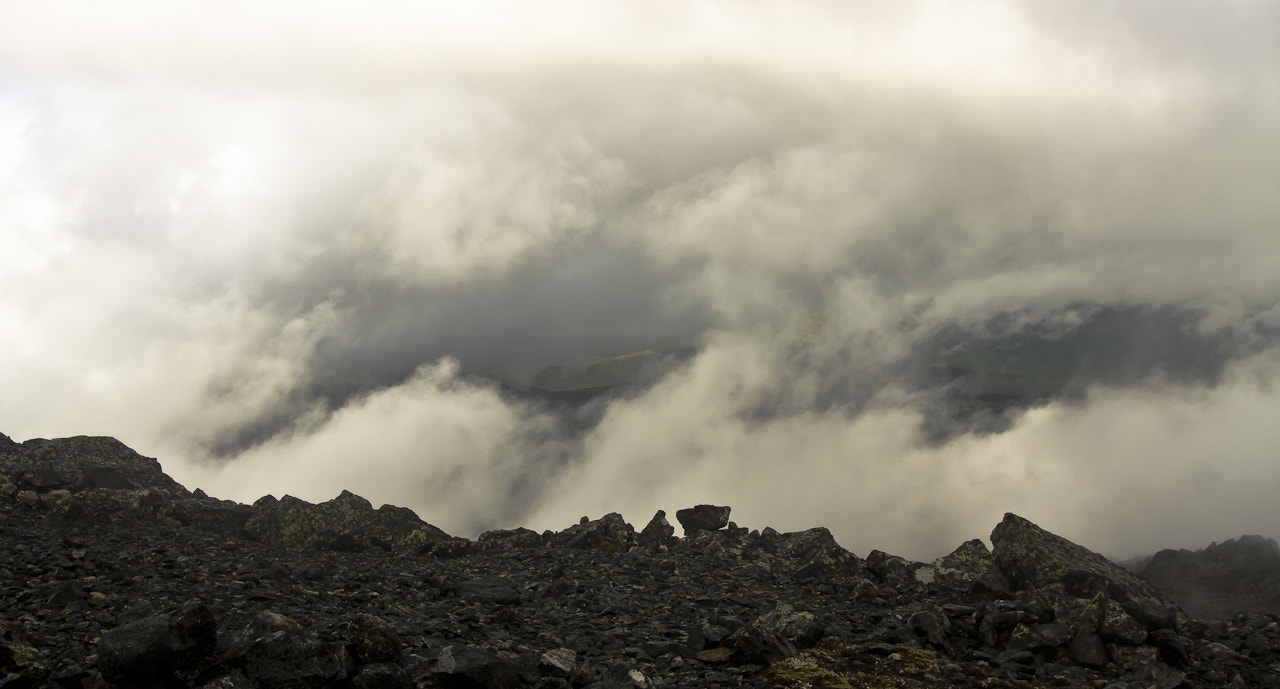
296 248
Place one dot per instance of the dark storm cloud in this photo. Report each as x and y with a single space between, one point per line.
275 244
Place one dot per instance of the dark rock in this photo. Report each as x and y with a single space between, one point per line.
1031 557
82 463
611 534
895 572
487 590
814 554
157 646
295 661
506 539
382 676
1221 580
347 523
969 570
374 640
657 533
467 666
703 518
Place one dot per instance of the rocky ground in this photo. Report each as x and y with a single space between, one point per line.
112 574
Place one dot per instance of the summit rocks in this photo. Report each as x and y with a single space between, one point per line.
113 576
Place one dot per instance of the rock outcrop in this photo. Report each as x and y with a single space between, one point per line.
1225 579
119 577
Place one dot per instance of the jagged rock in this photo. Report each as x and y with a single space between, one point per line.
814 554
82 463
703 518
503 539
1221 580
296 661
374 640
969 570
487 590
20 662
932 628
157 646
710 609
460 664
895 572
611 533
1031 557
382 676
657 533
347 523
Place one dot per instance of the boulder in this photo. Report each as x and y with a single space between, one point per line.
610 533
1030 558
703 518
156 646
475 667
657 533
347 523
374 640
295 661
814 554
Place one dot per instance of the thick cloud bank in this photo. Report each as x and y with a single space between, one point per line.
301 247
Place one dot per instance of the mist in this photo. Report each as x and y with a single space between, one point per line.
301 248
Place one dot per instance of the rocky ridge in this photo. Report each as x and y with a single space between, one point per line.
114 575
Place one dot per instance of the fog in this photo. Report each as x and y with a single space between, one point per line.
305 247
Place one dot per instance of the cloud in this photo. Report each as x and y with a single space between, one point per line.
257 238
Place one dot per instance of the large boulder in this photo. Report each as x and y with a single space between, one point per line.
610 533
157 646
1031 558
813 554
703 518
347 523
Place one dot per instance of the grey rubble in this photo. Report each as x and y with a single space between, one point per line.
114 575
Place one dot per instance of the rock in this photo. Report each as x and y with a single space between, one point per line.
703 518
82 463
374 640
296 661
1221 580
558 662
931 627
1031 557
505 539
461 664
969 570
382 676
610 534
487 590
657 533
817 555
894 572
347 523
157 646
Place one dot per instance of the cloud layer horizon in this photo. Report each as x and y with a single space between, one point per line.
292 248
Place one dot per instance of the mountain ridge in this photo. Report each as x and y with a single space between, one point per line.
142 582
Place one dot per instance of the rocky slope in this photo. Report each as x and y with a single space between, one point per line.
112 574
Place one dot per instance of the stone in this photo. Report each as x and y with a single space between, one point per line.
1222 579
296 661
703 518
460 663
1031 557
374 640
157 645
487 590
657 533
382 676
347 523
610 533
